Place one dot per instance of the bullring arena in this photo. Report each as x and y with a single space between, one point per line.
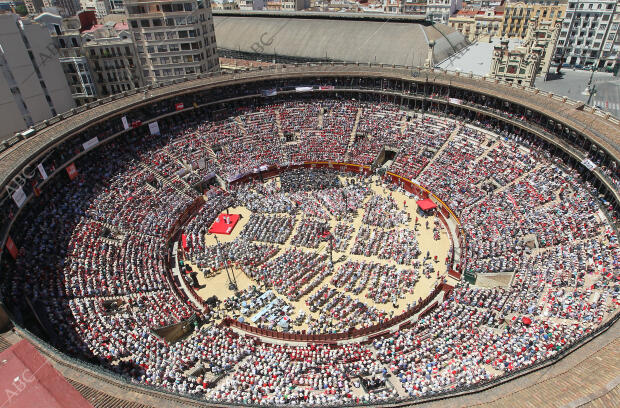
321 235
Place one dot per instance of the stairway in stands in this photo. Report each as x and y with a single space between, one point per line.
353 134
279 125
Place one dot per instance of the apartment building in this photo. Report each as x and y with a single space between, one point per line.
587 30
413 7
112 58
36 6
32 84
249 5
478 24
101 7
517 15
439 11
173 39
66 35
611 46
285 5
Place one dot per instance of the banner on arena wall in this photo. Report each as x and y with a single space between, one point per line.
91 143
35 188
10 245
303 88
136 123
125 122
154 128
179 106
19 197
326 87
71 171
42 171
455 101
589 164
269 92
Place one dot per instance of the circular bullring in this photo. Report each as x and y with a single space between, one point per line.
527 192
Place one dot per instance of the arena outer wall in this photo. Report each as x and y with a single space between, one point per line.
569 129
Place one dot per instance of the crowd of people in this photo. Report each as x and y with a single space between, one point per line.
94 255
401 245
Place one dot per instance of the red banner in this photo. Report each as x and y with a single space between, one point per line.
36 189
184 242
10 245
179 106
72 171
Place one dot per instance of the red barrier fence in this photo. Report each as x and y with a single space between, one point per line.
377 329
188 212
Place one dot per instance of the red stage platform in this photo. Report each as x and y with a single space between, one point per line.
29 380
221 227
426 204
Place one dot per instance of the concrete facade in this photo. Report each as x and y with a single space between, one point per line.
173 39
32 84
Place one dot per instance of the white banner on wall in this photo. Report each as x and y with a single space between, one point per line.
154 128
42 171
19 197
125 123
589 164
91 143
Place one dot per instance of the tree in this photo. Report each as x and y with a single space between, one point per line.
21 10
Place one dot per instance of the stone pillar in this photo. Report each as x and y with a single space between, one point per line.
429 59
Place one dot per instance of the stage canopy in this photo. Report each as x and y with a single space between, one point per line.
426 204
29 380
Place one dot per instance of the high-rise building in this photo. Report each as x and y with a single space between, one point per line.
173 38
32 85
585 32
